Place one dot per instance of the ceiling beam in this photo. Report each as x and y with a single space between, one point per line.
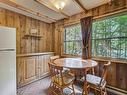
80 5
51 7
20 7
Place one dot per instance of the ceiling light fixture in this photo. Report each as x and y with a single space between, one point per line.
59 4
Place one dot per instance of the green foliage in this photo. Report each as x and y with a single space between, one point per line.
109 37
72 40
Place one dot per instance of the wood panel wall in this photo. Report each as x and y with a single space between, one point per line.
117 74
53 33
24 24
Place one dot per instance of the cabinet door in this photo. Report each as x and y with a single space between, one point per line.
47 59
43 65
37 67
30 69
20 64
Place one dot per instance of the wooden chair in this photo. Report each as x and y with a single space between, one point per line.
52 58
98 83
60 80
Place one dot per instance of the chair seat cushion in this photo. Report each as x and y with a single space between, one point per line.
67 79
95 80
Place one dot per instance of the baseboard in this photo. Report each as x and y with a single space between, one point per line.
116 90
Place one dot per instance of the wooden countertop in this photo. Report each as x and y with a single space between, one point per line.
34 54
112 60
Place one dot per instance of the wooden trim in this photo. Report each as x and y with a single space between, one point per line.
81 5
33 54
123 61
117 89
53 9
71 56
20 7
48 6
113 60
112 13
62 42
71 23
63 13
101 16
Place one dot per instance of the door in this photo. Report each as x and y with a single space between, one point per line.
7 73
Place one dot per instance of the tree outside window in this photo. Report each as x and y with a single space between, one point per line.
73 40
109 37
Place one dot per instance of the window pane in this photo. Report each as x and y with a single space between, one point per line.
69 47
115 48
72 40
77 48
126 48
109 37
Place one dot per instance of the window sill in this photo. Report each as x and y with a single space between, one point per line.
114 60
69 55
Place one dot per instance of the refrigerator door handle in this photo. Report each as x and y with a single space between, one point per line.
7 49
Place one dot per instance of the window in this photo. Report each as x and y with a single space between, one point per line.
73 40
109 37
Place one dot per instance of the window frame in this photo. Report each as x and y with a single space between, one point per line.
63 41
120 37
93 57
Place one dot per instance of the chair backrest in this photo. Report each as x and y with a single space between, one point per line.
105 71
52 58
56 73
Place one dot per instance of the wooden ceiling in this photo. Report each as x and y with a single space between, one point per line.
45 11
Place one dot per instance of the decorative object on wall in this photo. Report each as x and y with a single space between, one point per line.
33 31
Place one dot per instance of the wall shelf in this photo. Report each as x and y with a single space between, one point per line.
33 35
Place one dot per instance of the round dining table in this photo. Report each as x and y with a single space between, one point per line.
77 64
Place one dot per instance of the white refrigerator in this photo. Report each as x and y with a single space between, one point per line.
7 61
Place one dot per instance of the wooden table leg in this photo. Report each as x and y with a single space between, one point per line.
85 85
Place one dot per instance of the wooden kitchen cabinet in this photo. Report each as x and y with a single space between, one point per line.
20 67
31 67
43 66
26 70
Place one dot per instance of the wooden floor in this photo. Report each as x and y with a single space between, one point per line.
41 87
37 88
